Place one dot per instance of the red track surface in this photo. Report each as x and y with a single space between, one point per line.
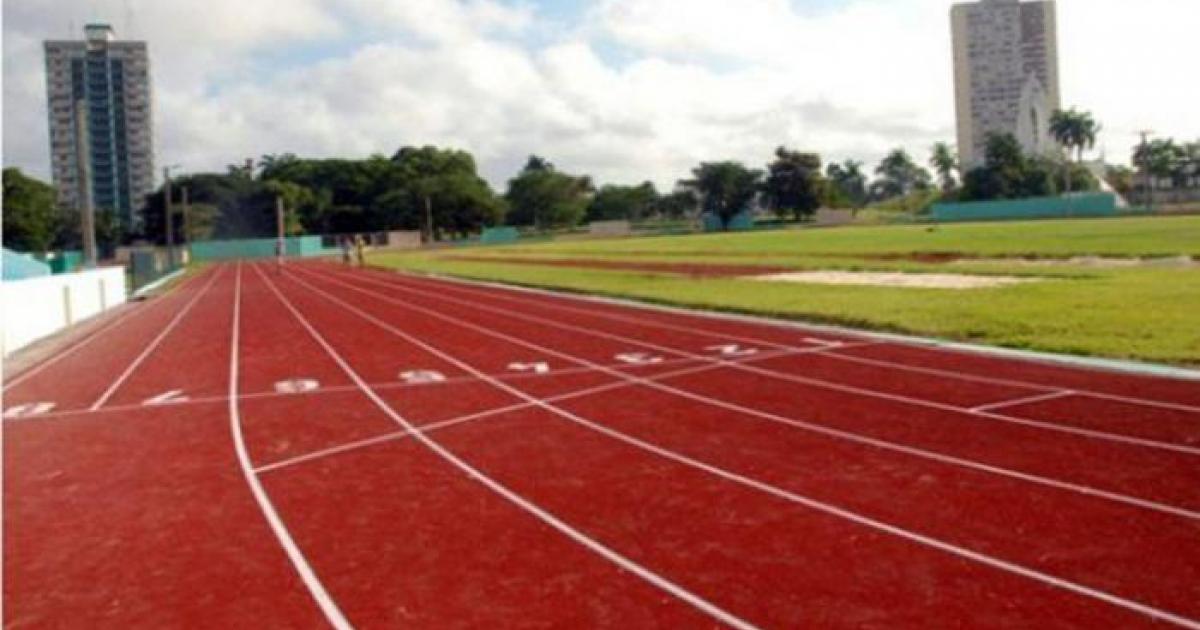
577 464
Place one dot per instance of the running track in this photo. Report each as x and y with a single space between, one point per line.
315 447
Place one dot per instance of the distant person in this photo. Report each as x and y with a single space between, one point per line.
279 253
345 242
358 249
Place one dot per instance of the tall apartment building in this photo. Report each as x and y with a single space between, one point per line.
112 78
1005 74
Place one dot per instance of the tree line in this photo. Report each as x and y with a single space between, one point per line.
439 192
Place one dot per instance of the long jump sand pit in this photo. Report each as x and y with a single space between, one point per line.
951 281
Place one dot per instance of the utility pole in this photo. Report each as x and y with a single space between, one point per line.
279 217
84 168
1147 178
170 218
187 220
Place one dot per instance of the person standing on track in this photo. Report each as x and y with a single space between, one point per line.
278 254
358 249
345 242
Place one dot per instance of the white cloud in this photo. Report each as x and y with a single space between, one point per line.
638 89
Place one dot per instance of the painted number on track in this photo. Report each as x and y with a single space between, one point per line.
638 358
733 350
172 397
422 377
297 386
540 367
29 410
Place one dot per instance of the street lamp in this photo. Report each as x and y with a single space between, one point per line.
170 218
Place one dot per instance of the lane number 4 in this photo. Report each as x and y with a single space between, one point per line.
422 377
638 358
733 350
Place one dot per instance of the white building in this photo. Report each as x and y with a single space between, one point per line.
1006 74
112 78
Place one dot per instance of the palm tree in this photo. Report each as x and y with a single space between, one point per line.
1076 131
942 160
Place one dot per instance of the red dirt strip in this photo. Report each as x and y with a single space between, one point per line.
1115 518
686 269
78 381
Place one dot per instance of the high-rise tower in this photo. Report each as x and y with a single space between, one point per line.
112 79
1006 74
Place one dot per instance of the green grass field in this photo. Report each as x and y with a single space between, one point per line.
1147 313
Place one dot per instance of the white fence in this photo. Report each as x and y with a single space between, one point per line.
38 307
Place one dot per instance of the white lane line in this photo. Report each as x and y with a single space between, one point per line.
112 389
546 517
1014 402
1144 402
502 292
79 345
317 590
490 413
961 412
798 423
796 498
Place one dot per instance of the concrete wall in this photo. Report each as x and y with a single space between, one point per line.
610 228
827 217
405 239
38 307
1081 205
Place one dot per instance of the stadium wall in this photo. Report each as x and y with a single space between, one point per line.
255 248
50 303
1081 205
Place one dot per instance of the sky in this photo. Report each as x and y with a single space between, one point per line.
623 90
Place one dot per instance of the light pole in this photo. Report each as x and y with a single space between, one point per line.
170 215
1147 178
83 163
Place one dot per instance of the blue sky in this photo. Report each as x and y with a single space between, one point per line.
625 90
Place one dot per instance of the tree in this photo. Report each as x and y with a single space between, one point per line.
246 206
945 164
678 204
1161 159
1075 131
629 203
847 184
294 197
793 183
725 189
31 221
542 196
1120 178
1007 173
442 189
897 175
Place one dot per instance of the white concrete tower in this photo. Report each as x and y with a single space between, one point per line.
1005 74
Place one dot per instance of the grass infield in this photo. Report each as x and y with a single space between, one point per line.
1149 313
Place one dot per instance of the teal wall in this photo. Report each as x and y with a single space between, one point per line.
498 235
1083 205
22 266
251 248
741 221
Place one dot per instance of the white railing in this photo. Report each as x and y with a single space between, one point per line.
38 307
